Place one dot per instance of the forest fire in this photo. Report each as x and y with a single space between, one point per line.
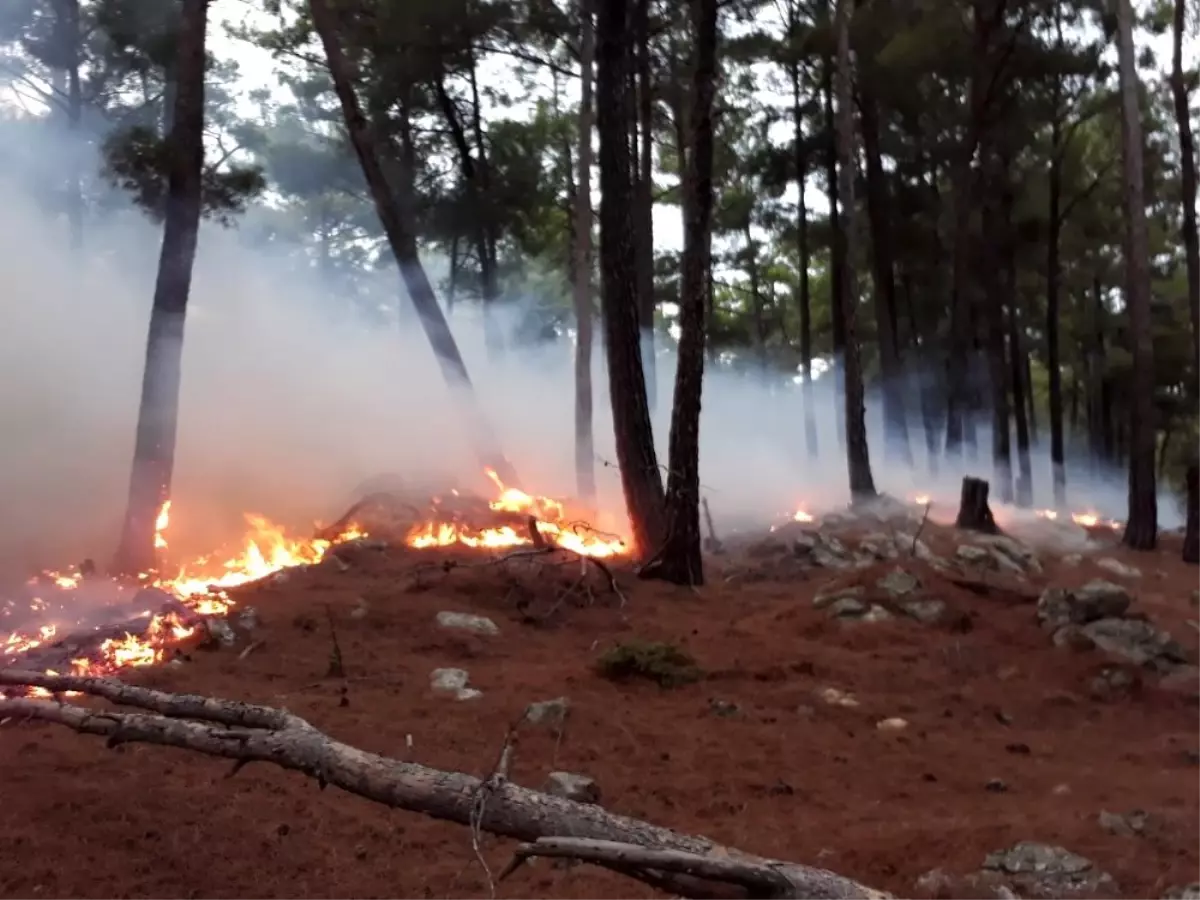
49 615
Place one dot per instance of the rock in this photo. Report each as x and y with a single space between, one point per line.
723 708
876 614
848 608
925 611
466 622
969 553
835 697
1113 681
1185 892
893 724
453 681
1137 641
1072 637
1046 870
1095 600
571 786
247 619
898 583
548 712
220 632
1128 824
360 609
1118 568
996 786
823 599
879 546
1010 553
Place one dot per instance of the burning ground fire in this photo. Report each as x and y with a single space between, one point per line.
200 588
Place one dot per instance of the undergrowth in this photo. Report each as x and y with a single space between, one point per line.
664 664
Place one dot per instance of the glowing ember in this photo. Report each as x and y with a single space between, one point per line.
550 520
801 516
160 526
921 499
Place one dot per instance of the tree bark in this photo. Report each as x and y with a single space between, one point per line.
858 457
585 468
974 514
994 315
494 804
802 249
395 215
158 414
680 560
1053 277
1187 180
644 187
1191 535
1141 528
640 479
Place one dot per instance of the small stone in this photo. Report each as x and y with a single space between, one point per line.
1185 892
1112 681
247 618
1125 825
925 611
220 632
1061 790
970 554
571 786
848 608
448 680
893 724
876 614
467 693
465 622
1118 568
898 583
548 712
996 786
1045 869
1135 640
723 708
835 697
361 608
823 599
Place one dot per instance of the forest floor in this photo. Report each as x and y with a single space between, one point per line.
777 749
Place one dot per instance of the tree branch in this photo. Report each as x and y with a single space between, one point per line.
247 733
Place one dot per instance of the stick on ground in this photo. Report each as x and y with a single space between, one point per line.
686 865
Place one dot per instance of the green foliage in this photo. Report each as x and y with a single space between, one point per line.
664 664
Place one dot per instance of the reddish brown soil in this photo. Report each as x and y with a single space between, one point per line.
787 776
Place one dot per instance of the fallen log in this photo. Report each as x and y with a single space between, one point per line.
1191 535
683 864
974 514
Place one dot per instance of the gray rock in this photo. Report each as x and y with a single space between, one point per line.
1095 600
971 554
1135 640
1046 870
898 583
466 622
572 786
548 712
1113 681
848 608
1118 568
876 614
925 611
220 632
453 681
879 546
1010 553
1183 892
247 619
823 599
1128 824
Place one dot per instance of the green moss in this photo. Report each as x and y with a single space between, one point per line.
664 664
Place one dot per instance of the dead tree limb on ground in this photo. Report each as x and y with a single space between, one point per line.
683 864
974 514
1191 534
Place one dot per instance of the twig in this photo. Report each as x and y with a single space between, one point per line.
250 648
486 787
714 545
337 667
920 528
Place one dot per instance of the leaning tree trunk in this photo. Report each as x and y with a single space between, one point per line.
585 467
1191 536
680 560
158 414
395 214
636 458
1187 180
858 457
672 861
1141 530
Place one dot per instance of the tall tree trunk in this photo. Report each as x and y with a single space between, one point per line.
837 241
636 458
1020 383
644 187
1187 165
1141 530
680 559
585 469
489 266
879 214
158 414
997 357
1053 277
802 252
395 215
757 313
70 37
858 458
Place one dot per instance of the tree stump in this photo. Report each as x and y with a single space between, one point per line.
1191 537
974 514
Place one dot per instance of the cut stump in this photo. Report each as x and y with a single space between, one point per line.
1191 536
974 514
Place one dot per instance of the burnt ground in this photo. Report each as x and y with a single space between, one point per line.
751 755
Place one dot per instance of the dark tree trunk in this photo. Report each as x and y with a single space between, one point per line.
70 37
680 559
997 292
644 186
1191 536
1020 390
585 469
1141 529
1187 179
158 414
636 458
974 514
895 444
858 457
395 211
1053 365
802 253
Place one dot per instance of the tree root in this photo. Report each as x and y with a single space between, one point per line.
683 864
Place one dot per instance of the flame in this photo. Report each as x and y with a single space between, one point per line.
549 517
801 515
922 499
